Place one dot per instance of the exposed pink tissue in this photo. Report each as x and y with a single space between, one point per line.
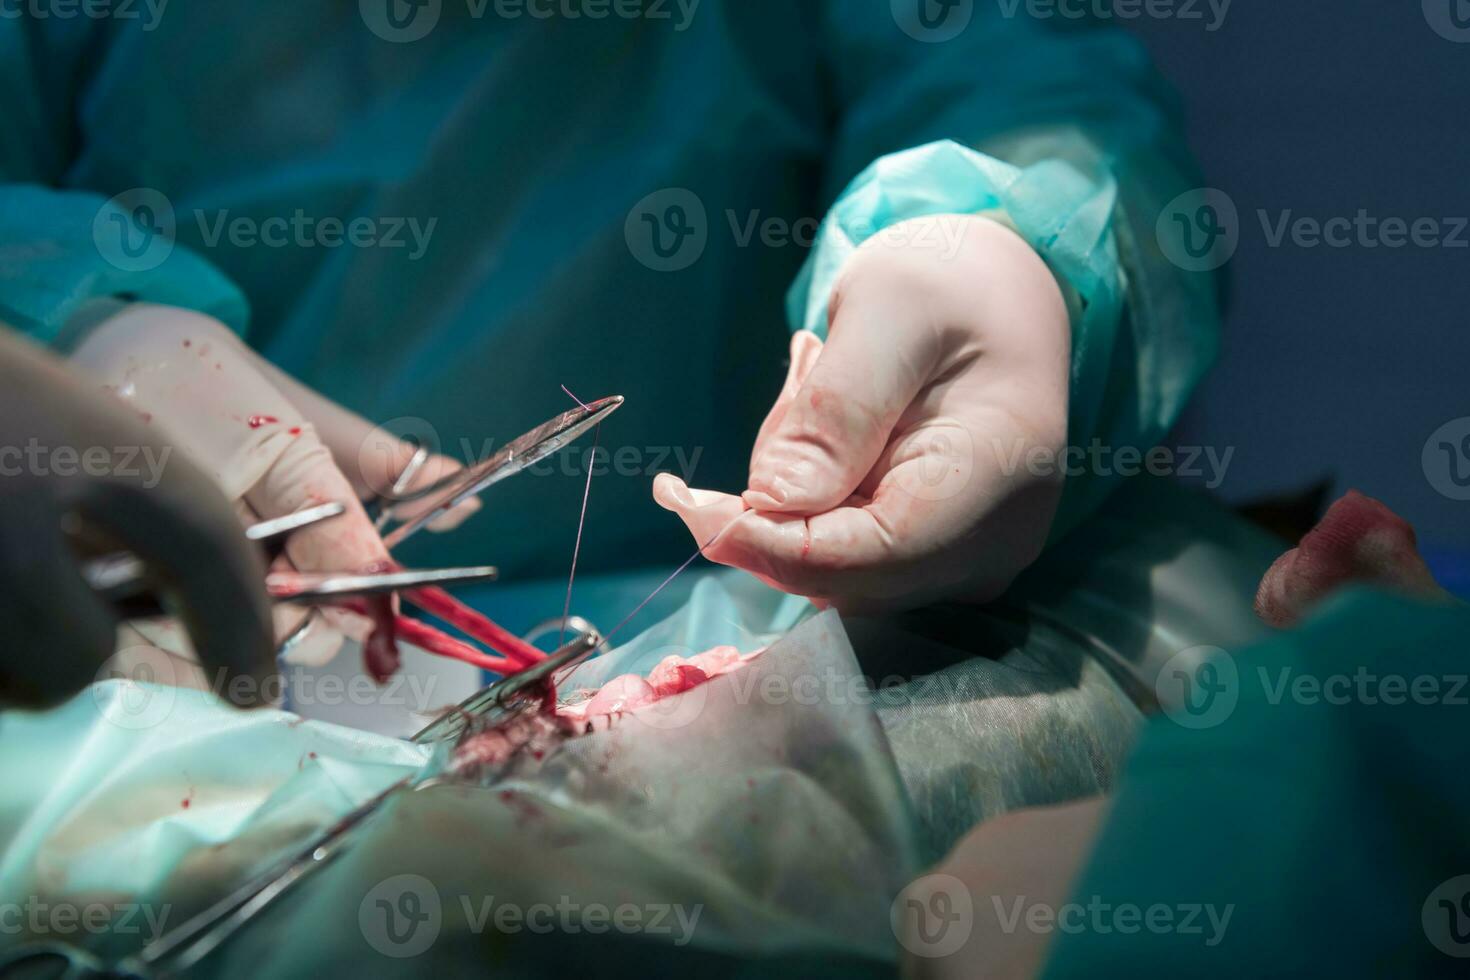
619 694
673 675
538 731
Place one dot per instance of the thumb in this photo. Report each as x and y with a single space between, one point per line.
370 456
838 424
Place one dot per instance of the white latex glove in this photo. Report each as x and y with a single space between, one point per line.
891 470
272 445
968 917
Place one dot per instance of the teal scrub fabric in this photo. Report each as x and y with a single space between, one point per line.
1319 795
439 232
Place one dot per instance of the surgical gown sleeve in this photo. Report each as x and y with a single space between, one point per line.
61 249
1321 803
1062 131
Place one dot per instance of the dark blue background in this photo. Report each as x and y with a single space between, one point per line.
1335 363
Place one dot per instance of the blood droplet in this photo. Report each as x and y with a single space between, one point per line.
256 421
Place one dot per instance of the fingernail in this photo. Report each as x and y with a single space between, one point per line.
670 492
768 493
773 489
756 500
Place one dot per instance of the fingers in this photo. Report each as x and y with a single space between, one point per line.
383 458
805 349
834 428
704 512
370 456
313 635
305 475
942 520
834 557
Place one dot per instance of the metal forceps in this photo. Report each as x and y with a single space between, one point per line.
526 450
121 578
122 575
183 946
509 696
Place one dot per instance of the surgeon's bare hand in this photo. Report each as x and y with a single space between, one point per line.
886 474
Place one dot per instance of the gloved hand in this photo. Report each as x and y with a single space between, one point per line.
893 468
273 446
78 478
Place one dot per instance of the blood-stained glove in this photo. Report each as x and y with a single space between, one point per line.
273 446
80 478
